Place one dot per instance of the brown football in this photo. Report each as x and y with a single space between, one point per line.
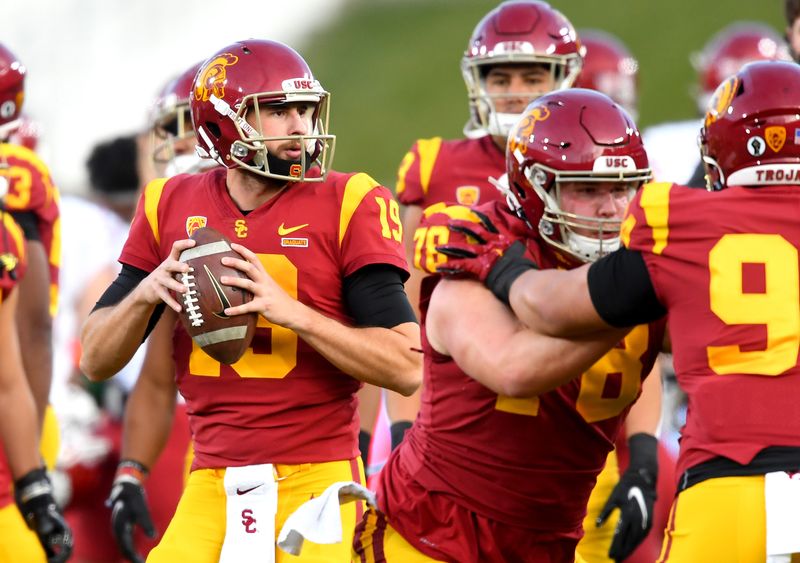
224 338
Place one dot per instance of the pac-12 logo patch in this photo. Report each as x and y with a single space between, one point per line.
468 195
195 222
775 136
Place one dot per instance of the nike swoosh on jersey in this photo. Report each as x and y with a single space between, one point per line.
283 231
245 491
636 494
224 303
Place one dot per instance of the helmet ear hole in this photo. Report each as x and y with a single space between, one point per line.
213 128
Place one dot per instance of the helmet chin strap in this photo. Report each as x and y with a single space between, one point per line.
280 166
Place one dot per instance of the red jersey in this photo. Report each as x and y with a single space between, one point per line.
436 171
12 258
31 189
529 463
725 265
282 402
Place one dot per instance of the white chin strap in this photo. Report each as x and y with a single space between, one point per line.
187 164
500 124
589 248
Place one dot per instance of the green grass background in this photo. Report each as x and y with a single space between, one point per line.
392 66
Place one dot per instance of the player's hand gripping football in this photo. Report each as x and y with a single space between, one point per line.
34 496
634 495
269 298
129 508
484 253
157 286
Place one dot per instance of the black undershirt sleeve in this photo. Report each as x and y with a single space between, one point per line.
374 296
128 278
621 290
29 224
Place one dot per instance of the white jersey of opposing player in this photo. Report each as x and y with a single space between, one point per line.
672 150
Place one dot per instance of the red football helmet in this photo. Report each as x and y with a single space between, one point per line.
527 32
12 91
732 48
610 68
242 78
573 135
171 127
751 133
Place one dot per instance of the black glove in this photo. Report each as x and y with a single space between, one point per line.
34 496
129 507
634 495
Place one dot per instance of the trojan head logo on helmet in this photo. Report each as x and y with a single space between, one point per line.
610 68
581 138
751 132
172 135
12 91
732 48
238 82
524 32
212 79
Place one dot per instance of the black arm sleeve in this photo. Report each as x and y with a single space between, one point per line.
128 278
28 223
621 290
374 296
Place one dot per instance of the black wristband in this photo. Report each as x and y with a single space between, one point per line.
643 450
398 431
511 265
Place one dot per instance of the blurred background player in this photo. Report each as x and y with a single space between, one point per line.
156 436
673 146
609 67
32 199
518 51
94 441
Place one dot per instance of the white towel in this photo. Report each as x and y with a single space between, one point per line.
782 496
319 520
251 505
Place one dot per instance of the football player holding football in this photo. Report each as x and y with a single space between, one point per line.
510 467
729 286
323 258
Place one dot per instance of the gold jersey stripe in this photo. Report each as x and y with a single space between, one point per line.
152 196
428 151
358 186
402 170
655 204
625 230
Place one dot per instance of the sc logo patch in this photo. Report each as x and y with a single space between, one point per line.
248 521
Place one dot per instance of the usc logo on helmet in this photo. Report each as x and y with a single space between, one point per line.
526 127
211 79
